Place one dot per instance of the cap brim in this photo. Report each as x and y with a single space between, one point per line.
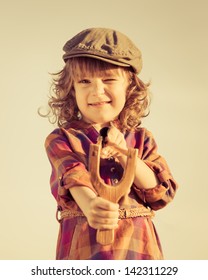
109 60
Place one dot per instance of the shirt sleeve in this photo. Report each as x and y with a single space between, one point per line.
164 192
68 168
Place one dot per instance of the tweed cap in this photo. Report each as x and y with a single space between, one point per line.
105 44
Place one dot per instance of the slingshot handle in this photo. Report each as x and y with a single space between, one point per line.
105 236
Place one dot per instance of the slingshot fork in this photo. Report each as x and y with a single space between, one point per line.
111 193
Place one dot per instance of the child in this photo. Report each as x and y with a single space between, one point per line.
99 88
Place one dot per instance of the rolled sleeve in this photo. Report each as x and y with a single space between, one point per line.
77 176
164 192
68 167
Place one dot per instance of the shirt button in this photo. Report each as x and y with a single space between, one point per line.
115 181
112 169
111 158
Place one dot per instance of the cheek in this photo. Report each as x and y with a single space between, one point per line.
79 99
122 97
81 105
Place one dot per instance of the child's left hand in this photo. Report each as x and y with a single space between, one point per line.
115 144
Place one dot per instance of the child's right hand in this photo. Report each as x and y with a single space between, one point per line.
102 214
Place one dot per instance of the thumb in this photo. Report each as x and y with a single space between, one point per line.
112 124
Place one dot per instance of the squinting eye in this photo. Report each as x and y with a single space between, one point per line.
109 80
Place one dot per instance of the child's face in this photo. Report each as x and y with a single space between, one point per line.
100 99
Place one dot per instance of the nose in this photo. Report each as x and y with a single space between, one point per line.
98 88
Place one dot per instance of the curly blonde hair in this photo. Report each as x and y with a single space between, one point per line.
62 102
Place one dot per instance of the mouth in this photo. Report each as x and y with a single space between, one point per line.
95 104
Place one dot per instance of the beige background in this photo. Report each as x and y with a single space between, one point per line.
173 38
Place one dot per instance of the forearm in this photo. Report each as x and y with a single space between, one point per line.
145 178
82 196
100 213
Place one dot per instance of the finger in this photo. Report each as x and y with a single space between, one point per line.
103 226
112 124
109 206
112 134
106 152
108 223
109 215
102 221
113 151
105 204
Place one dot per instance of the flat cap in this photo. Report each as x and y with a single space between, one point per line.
105 44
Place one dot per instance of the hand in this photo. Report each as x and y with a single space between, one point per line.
115 144
102 214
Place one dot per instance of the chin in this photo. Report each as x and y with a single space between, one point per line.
103 121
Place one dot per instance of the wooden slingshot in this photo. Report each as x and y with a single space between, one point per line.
111 193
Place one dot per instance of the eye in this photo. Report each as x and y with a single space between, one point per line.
84 81
109 80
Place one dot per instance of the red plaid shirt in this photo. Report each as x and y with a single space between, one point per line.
135 238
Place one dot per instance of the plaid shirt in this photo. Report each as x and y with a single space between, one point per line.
135 238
